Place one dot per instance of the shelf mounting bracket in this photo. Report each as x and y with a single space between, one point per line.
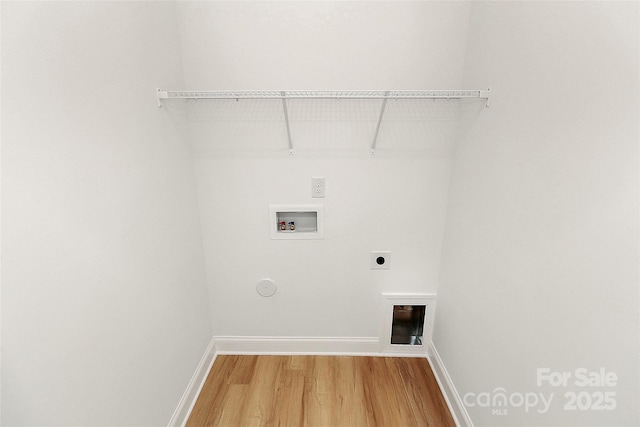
286 120
160 95
375 135
487 95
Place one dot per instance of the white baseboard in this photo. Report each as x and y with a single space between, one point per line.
188 400
368 346
456 406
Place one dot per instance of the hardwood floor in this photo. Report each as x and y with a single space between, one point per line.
320 391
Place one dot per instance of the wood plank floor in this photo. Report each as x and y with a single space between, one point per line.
320 391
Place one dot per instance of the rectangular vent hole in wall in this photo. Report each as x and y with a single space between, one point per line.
408 324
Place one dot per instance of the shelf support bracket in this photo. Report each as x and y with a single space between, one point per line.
487 95
160 95
375 135
286 120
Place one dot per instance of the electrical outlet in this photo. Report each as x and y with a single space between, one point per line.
317 187
381 260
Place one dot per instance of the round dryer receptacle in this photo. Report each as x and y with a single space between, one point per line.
266 287
380 260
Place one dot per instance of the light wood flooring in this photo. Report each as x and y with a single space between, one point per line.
320 391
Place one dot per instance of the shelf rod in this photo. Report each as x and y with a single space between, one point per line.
375 135
344 94
286 119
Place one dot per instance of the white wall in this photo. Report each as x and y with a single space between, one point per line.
104 296
394 201
322 44
104 302
540 262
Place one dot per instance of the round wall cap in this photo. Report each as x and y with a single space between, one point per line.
266 287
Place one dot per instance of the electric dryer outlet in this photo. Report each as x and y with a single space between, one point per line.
380 260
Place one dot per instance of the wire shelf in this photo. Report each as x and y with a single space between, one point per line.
286 97
321 94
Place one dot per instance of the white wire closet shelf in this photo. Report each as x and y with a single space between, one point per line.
287 96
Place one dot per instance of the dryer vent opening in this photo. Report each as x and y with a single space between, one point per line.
408 324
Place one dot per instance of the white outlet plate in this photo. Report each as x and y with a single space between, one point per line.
381 260
317 187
